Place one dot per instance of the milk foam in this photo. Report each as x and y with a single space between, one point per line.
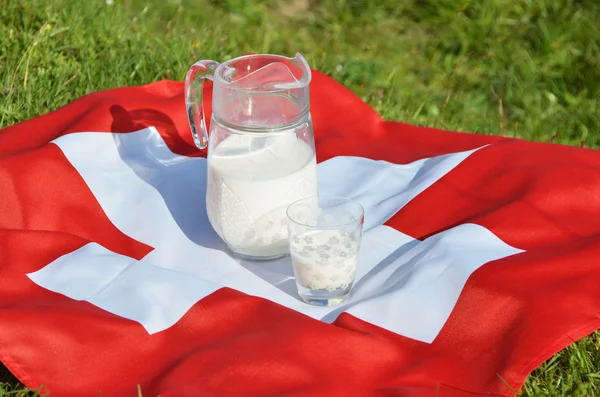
251 181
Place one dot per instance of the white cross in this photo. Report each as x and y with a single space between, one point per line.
157 197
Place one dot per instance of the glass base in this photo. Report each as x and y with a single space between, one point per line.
324 297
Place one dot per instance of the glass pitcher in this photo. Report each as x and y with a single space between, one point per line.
261 150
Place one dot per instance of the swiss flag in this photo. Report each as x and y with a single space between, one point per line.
479 259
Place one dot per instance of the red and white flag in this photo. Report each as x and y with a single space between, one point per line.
479 259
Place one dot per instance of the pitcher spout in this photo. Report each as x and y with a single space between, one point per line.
302 74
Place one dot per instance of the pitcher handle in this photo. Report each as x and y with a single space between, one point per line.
193 100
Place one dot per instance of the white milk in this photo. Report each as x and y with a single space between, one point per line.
251 181
324 259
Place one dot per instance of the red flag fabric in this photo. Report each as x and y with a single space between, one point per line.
479 259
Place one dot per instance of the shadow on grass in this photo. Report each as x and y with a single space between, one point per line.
7 377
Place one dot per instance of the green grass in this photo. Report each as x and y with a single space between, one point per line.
522 68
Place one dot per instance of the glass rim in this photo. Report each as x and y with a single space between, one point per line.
345 200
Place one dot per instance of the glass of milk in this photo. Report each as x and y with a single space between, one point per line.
324 235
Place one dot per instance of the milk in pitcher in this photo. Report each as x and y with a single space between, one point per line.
251 181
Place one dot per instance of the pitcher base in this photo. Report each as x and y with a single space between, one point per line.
256 258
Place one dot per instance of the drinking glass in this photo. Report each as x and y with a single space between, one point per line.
325 235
